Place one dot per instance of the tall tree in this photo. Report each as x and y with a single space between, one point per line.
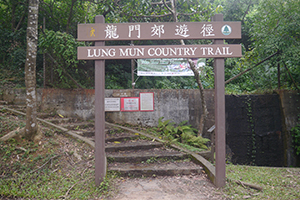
30 70
173 11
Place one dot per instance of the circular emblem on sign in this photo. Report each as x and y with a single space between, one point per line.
226 29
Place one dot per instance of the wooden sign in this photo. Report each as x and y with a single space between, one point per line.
167 51
100 32
159 31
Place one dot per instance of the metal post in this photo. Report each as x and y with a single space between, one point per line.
220 179
100 158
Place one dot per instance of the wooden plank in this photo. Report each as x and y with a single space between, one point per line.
159 31
167 51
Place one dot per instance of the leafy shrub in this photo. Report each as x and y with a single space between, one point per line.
295 131
183 133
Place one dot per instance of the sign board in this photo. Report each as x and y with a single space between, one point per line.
120 93
112 104
146 101
167 51
130 104
218 30
159 31
168 67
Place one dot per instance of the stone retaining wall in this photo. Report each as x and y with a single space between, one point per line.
257 126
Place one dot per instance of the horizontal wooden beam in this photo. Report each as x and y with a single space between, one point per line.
167 51
159 31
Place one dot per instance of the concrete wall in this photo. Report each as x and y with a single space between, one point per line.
177 105
254 129
290 109
257 126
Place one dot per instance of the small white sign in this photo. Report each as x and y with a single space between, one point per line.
130 104
112 104
147 101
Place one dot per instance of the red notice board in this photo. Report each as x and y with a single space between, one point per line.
130 104
147 101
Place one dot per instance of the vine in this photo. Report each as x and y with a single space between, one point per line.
295 132
253 135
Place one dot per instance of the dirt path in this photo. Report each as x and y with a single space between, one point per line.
191 187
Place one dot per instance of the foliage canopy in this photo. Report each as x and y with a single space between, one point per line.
267 27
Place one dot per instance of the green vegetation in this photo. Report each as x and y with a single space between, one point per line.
271 37
9 122
61 50
184 134
277 183
295 132
47 169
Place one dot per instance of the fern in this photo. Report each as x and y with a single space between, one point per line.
186 134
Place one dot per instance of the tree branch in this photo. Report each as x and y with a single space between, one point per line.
55 62
165 4
44 164
154 16
246 11
292 78
159 3
197 77
70 16
12 134
256 187
243 72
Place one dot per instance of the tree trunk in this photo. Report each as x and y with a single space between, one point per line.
70 16
30 70
194 69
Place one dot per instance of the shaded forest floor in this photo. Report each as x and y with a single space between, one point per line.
59 166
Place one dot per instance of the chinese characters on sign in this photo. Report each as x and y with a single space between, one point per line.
135 28
182 30
207 30
111 32
159 31
130 104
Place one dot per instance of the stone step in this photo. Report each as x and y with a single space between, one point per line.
75 126
60 120
145 156
89 134
21 108
46 115
130 145
3 103
156 169
121 138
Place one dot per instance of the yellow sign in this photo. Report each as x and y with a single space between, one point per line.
92 32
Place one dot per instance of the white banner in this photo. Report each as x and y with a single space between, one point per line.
168 67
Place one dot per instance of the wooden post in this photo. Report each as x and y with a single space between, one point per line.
132 69
100 158
220 179
278 75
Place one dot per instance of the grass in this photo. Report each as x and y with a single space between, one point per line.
48 169
52 169
9 122
277 183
